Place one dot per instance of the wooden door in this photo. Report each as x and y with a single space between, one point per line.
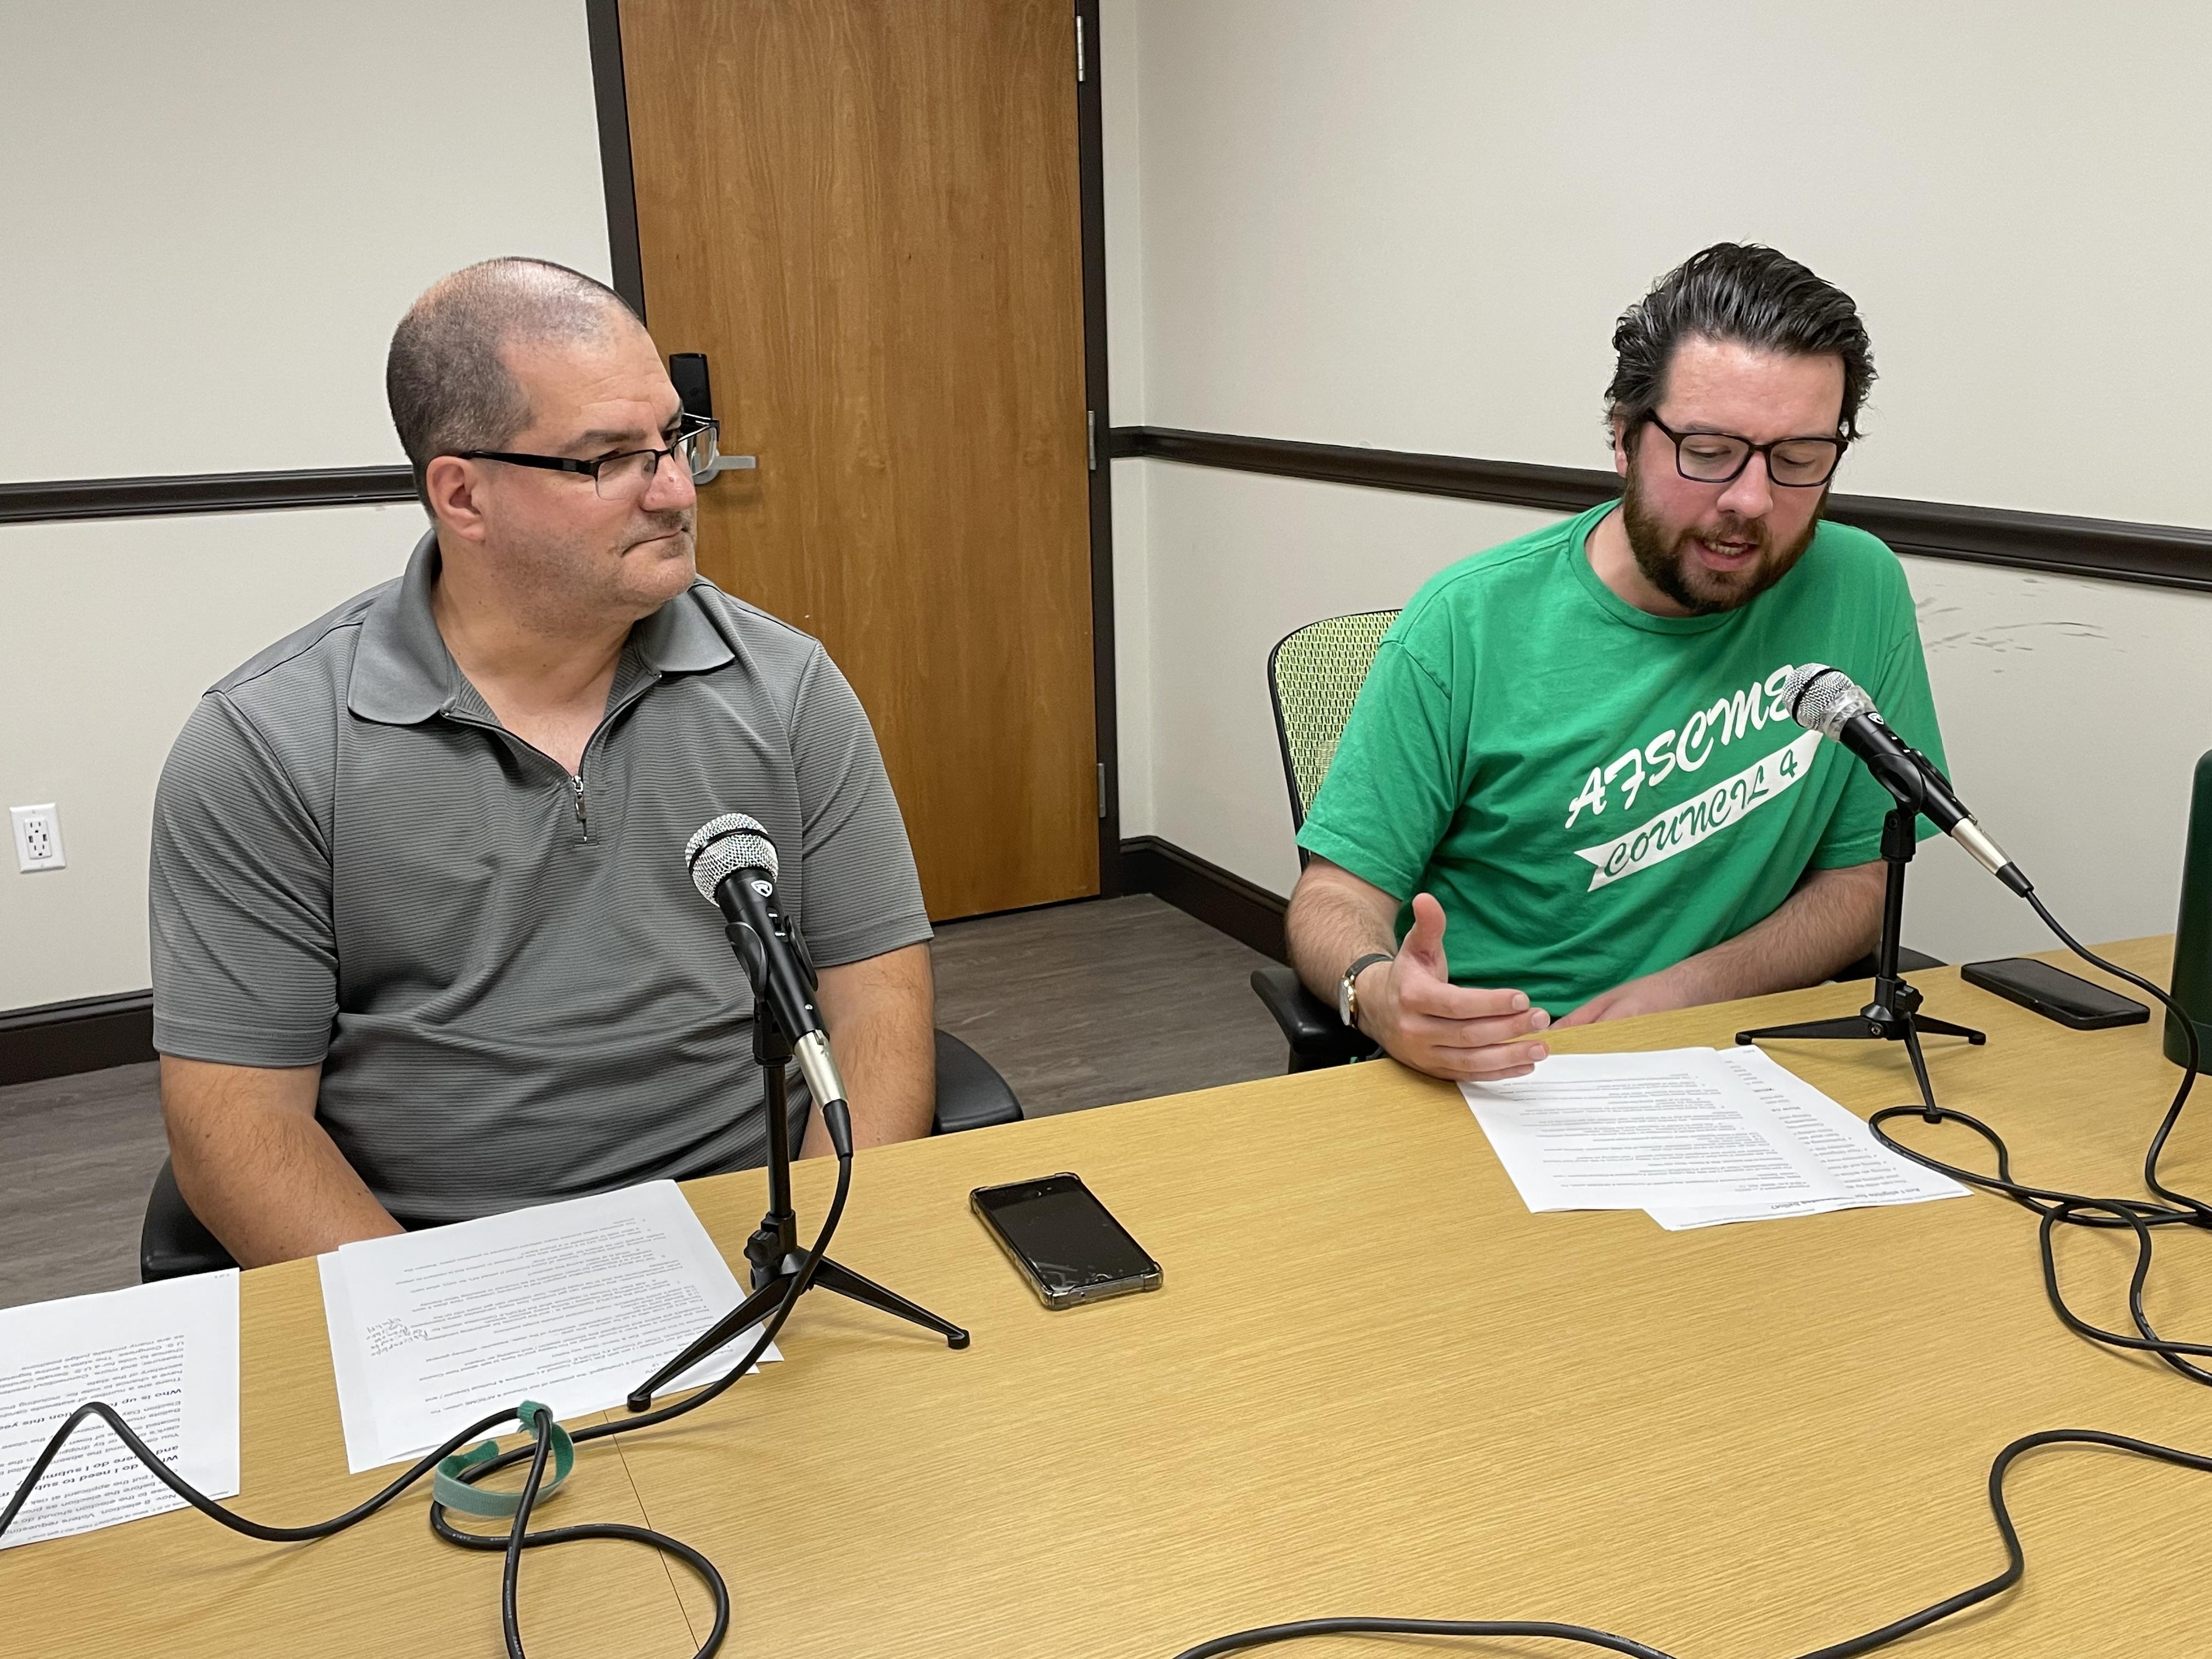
865 212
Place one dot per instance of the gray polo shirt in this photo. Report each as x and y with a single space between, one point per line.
516 993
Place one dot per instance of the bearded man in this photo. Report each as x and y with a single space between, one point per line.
1570 790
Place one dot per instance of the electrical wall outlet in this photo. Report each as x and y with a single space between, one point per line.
37 837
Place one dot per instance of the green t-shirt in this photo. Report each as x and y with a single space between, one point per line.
1593 793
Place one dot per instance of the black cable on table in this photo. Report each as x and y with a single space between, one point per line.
518 1537
2058 1208
2015 1566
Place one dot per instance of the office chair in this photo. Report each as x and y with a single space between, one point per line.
1314 677
970 1095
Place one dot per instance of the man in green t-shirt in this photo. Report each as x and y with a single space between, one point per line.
1570 790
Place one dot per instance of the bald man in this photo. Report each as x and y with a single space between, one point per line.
424 944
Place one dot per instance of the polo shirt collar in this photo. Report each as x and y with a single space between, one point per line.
403 674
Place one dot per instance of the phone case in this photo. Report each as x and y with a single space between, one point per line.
1072 1296
1990 976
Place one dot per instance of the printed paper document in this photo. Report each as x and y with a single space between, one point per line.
164 1355
1697 1137
571 1304
1870 1172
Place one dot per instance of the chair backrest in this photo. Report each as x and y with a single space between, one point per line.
1314 677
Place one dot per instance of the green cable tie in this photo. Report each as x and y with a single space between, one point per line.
450 1489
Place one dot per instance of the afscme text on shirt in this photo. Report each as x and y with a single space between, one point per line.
1686 745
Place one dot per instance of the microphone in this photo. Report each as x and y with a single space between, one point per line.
1827 701
733 865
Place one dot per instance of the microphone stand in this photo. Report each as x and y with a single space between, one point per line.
1894 1014
774 1249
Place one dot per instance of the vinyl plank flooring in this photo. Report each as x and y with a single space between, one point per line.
1077 1006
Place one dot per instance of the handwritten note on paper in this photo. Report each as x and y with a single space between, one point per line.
164 1355
572 1305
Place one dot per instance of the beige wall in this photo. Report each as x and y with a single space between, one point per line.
215 214
1411 223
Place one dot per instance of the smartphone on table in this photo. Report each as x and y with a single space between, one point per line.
2055 993
1063 1241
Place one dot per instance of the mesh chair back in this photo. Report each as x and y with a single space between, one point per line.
1314 675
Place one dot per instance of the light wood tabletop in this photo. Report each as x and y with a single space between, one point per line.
1372 1384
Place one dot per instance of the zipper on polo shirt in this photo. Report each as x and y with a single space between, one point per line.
583 817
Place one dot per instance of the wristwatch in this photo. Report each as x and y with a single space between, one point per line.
1347 999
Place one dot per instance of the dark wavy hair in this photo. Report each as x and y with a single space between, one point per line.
1748 294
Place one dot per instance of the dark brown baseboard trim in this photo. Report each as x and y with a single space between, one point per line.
212 492
2159 555
89 1035
1227 902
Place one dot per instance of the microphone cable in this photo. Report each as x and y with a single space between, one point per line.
1586 1635
2058 1209
518 1537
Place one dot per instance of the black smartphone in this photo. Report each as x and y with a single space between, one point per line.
2055 993
1062 1240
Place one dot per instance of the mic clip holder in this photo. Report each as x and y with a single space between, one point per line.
774 1249
1895 1013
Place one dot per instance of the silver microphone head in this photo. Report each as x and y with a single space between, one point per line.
731 841
1820 698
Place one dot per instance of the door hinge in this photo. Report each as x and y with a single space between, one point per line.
1102 789
1091 437
1078 45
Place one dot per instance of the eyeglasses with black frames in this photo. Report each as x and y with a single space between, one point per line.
627 475
1721 457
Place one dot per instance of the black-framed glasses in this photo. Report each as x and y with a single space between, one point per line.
622 477
1721 457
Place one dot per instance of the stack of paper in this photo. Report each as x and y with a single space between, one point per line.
1694 1136
164 1356
572 1306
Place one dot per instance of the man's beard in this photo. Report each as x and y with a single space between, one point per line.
1670 563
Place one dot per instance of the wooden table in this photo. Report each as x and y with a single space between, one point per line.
1373 1383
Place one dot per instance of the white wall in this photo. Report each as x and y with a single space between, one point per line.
129 620
215 214
1411 223
216 209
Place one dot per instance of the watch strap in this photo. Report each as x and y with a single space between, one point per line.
1348 1005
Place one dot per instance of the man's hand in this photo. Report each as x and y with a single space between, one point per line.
1457 1032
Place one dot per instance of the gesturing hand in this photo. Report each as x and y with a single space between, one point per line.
1457 1032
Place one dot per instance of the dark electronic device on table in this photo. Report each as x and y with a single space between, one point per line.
1064 1241
2055 993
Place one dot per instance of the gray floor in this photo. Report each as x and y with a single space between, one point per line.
1080 1006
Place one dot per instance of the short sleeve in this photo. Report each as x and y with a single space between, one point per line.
244 957
1901 692
860 895
1394 785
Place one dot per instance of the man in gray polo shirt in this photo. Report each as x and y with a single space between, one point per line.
424 946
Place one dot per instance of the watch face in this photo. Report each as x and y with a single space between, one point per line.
1344 999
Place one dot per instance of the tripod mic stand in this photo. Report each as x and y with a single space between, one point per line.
1894 1014
774 1248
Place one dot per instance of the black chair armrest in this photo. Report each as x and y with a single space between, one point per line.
970 1093
1317 1037
1908 961
172 1243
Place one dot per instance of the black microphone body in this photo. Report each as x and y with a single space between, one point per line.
733 863
1825 700
1906 773
746 898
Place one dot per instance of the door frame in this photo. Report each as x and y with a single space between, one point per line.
612 100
